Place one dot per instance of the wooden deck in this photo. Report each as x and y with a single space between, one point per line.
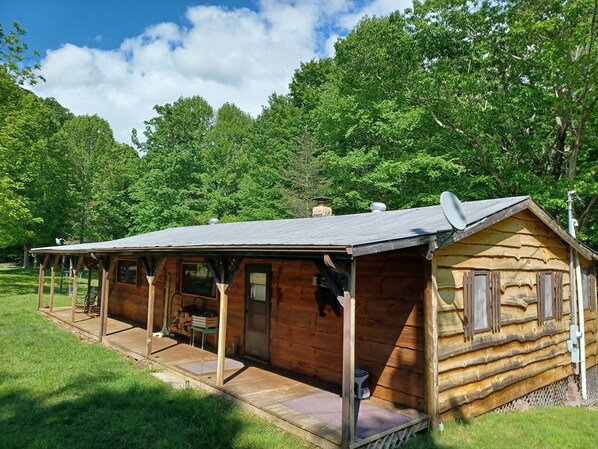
268 392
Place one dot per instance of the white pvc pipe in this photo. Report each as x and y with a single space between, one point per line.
582 338
576 284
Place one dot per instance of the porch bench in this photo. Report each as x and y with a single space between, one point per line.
204 331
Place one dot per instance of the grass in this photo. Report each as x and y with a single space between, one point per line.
537 428
56 391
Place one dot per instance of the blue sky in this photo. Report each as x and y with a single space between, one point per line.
118 59
100 24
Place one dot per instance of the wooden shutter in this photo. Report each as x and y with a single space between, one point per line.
494 301
540 296
468 305
557 295
592 291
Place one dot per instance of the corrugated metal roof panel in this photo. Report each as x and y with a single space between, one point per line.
335 231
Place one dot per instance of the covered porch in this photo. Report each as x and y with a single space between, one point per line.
299 404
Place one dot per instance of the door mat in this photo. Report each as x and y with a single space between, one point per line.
327 407
210 366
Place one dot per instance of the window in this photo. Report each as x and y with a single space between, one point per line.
481 302
197 280
588 284
549 293
126 271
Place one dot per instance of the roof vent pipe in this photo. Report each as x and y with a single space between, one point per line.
213 221
377 207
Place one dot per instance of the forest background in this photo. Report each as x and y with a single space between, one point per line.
484 98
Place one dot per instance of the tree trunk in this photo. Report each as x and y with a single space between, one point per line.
26 257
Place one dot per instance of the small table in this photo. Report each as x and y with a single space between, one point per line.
204 331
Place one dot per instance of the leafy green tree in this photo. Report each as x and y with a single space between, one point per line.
168 189
100 173
305 178
35 171
12 55
225 160
270 146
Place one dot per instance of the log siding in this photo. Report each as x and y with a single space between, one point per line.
479 372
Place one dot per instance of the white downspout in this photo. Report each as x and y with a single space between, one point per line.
577 286
573 342
582 338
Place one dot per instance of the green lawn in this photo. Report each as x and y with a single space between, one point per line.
59 392
537 428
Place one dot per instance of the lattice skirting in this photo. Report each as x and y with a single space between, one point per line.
396 439
591 383
555 393
550 395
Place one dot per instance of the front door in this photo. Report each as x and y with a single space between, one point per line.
257 311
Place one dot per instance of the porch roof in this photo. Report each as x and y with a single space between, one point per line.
356 234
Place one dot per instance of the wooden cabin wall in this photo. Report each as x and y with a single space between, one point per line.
130 301
300 340
495 368
389 325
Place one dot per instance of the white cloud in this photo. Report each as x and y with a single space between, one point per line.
224 55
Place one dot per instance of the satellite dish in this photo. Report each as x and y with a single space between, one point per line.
453 210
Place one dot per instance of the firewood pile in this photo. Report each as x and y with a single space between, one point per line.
181 323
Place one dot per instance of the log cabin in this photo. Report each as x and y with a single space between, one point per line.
453 323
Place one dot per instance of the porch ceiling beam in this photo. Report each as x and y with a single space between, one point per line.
380 247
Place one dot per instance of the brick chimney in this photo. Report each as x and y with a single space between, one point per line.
321 209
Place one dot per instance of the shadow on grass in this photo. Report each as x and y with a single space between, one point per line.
18 281
85 414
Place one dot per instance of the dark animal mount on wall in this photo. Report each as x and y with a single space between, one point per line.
324 296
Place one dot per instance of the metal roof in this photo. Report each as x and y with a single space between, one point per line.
355 234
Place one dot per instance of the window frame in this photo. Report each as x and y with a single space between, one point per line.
589 285
492 302
212 293
121 262
556 297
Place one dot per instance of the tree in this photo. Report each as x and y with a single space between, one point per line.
12 55
270 146
224 159
168 189
100 173
305 179
34 170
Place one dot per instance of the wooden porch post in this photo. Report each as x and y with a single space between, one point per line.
104 270
152 268
75 287
431 344
222 287
53 280
40 281
150 314
348 404
223 272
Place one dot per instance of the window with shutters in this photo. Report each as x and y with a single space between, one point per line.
481 301
588 283
549 293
